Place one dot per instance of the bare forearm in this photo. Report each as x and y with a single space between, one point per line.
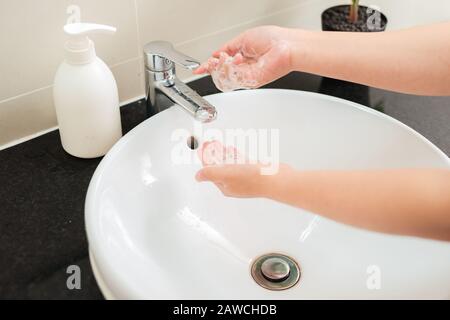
415 61
409 202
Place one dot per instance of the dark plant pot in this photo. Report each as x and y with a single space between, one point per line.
336 19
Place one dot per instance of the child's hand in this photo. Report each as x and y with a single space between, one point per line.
238 181
233 175
253 59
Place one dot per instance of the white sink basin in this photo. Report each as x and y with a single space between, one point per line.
155 233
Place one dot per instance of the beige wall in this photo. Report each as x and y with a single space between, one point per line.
32 41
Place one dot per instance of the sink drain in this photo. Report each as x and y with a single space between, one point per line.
276 272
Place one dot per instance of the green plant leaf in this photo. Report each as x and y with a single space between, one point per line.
354 11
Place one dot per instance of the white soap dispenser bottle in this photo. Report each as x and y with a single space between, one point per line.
86 96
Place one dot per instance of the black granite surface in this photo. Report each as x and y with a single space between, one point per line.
42 189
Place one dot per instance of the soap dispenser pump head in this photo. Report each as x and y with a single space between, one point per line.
79 48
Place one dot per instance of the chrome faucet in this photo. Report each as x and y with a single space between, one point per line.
161 82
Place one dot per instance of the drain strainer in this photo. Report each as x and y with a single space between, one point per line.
276 272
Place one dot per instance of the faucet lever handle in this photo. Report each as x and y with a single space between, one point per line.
160 55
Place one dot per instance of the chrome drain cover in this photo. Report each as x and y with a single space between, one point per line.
276 272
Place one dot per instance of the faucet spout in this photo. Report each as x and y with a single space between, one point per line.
162 83
190 100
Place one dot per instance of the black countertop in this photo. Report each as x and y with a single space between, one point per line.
42 189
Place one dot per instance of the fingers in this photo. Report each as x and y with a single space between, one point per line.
211 153
247 75
231 49
201 70
206 67
215 174
209 66
215 157
215 153
244 49
238 59
232 72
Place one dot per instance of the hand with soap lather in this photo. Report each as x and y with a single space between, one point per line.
253 59
232 172
414 61
413 202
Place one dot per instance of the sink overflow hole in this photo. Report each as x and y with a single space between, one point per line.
192 143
